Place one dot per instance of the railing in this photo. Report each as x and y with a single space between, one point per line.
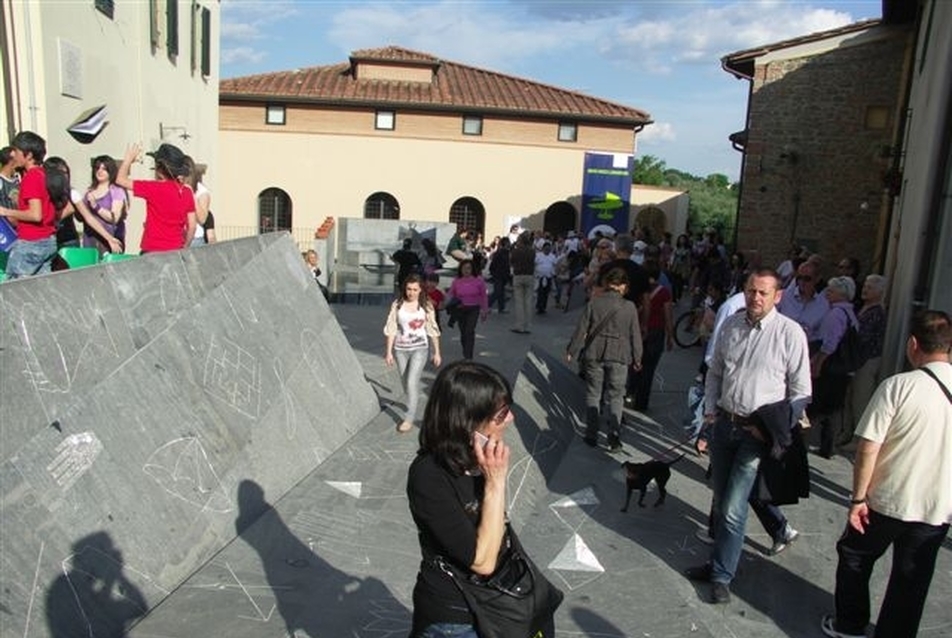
303 237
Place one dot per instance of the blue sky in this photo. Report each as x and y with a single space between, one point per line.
662 56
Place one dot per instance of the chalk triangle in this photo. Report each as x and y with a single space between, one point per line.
351 488
585 496
576 556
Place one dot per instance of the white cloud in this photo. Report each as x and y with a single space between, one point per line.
657 132
242 55
239 31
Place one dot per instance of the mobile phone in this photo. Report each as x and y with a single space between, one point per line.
482 439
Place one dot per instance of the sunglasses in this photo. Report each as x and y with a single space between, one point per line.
500 417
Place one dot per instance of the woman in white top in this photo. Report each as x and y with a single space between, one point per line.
410 329
203 201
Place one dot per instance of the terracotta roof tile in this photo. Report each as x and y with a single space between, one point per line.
454 86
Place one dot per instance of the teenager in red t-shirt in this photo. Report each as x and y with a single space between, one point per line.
169 203
35 216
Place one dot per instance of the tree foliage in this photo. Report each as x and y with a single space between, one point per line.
713 199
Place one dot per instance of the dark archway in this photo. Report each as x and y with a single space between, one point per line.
274 210
381 205
560 218
469 213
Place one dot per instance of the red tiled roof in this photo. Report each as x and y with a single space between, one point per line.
454 87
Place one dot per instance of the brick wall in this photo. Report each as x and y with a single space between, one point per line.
812 160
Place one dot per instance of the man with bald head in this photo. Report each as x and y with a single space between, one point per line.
802 303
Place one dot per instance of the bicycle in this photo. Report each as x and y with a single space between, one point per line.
687 327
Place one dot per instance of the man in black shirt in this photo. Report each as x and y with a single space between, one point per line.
407 261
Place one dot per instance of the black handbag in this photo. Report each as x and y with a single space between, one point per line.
516 601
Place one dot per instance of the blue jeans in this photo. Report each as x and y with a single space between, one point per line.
735 458
30 257
411 364
449 630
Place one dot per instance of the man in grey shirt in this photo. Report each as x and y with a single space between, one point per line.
761 358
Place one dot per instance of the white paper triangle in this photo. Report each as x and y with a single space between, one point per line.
347 487
576 556
585 496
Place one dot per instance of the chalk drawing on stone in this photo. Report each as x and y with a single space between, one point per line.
171 288
576 509
249 311
183 470
233 375
46 365
387 618
317 359
290 409
261 616
519 470
351 488
75 455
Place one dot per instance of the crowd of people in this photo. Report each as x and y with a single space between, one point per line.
40 206
773 367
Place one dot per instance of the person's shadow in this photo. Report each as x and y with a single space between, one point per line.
310 594
92 597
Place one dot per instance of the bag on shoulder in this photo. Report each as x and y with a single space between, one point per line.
848 356
517 601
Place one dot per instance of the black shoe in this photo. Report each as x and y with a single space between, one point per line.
614 444
720 594
700 573
591 441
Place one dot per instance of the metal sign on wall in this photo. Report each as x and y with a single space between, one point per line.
606 193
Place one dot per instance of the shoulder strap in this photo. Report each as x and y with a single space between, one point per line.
945 390
594 332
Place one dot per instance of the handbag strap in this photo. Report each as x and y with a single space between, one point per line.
600 326
945 390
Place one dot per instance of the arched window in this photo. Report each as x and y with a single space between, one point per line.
559 219
468 213
274 210
381 206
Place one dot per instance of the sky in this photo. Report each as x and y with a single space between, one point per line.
660 56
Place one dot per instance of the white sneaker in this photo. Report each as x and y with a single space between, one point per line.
828 626
789 535
703 536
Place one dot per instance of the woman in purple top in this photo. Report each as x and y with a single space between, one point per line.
829 387
473 306
108 202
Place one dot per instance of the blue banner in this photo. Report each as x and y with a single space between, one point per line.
606 193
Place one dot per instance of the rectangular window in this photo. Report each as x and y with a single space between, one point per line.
568 132
385 121
206 42
154 22
171 28
472 125
193 36
274 114
106 7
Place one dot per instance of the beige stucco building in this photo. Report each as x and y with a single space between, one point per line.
398 134
153 65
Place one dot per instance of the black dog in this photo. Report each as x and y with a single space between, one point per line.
640 474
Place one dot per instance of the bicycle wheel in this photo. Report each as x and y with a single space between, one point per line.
685 330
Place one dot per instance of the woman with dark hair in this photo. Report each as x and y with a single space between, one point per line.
433 259
472 305
456 490
410 329
107 202
67 201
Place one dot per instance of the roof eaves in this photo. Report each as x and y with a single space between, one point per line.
641 119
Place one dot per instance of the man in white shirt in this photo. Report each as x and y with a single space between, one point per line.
902 489
545 261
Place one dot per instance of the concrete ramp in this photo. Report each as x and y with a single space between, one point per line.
338 554
137 397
